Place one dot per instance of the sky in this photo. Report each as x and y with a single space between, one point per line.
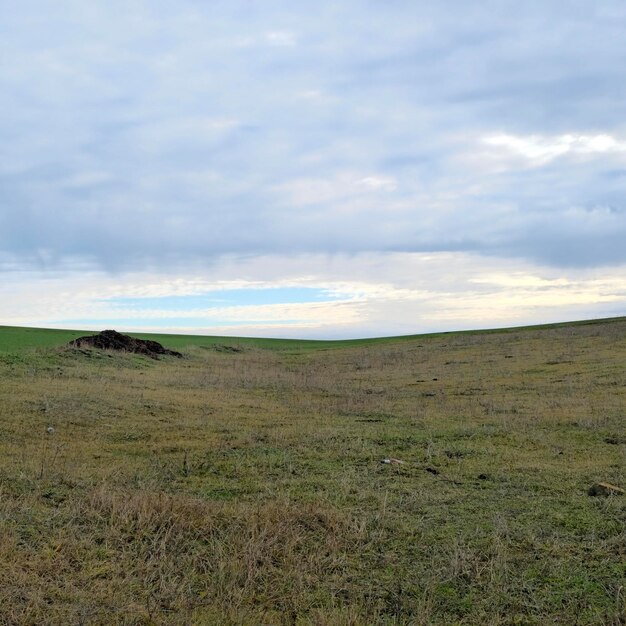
313 169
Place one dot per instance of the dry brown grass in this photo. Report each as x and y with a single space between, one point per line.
247 488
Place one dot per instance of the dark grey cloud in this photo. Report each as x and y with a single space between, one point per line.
135 132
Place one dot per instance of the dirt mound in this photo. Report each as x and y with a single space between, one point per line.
112 340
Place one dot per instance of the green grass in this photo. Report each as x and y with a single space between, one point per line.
16 339
248 488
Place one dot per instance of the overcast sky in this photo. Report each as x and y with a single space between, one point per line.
312 169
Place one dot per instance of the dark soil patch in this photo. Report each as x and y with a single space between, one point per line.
229 349
112 340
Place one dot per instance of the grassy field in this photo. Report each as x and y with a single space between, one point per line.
15 339
246 487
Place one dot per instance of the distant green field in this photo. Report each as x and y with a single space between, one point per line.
16 338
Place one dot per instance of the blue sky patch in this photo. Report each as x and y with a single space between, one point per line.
226 298
167 323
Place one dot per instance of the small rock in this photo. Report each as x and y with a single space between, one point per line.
50 430
605 489
392 461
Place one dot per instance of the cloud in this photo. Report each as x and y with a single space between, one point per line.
385 183
166 137
540 150
342 188
318 296
281 38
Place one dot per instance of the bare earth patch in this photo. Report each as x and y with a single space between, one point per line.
112 340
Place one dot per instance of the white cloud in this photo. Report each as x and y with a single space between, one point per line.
87 179
342 187
369 295
520 280
311 94
541 149
382 183
281 38
156 136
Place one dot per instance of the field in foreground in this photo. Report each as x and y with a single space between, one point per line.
244 483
